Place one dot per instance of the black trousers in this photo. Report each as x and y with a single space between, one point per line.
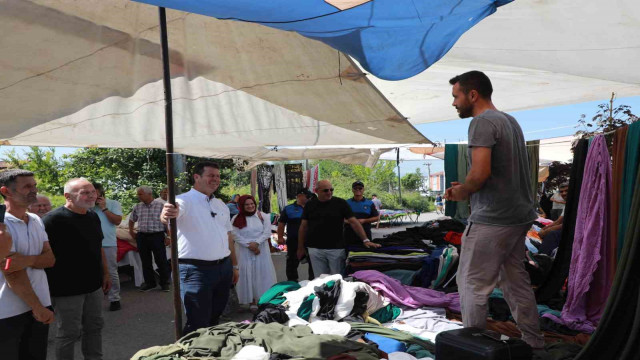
293 262
148 244
23 338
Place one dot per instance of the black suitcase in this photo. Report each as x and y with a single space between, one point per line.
478 344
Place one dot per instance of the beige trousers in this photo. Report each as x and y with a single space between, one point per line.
493 256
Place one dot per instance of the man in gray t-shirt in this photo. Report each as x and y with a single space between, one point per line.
493 244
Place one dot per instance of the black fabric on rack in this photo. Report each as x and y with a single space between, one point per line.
328 296
265 177
560 268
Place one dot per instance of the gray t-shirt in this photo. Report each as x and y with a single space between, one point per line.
506 198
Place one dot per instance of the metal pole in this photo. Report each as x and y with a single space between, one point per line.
399 182
168 124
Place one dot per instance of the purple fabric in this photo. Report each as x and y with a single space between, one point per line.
410 296
589 283
578 326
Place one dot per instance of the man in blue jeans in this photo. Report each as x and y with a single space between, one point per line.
206 254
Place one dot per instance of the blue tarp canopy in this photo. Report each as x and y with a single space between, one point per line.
392 39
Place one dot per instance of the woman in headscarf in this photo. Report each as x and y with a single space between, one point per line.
252 231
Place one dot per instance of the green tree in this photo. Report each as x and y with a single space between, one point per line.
46 167
413 181
606 120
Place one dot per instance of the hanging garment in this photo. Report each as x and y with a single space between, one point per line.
589 283
295 181
617 334
450 174
462 207
314 176
617 174
254 182
560 269
533 153
280 180
631 158
264 185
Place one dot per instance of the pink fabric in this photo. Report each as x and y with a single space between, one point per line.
410 296
589 278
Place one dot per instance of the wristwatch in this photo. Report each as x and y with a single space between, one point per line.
236 267
366 241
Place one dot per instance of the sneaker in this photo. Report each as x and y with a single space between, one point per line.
145 287
115 306
165 287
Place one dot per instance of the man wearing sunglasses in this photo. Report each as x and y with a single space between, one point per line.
321 231
365 212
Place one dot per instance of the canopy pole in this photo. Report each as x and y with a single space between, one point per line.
399 182
171 184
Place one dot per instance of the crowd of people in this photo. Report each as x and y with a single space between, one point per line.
64 261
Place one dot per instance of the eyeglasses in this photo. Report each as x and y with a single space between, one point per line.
358 188
326 190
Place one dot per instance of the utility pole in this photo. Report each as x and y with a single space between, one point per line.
428 165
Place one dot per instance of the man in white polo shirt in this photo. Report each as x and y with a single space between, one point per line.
25 305
206 254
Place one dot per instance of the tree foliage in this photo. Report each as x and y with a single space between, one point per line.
607 119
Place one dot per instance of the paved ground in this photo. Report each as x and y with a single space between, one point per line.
146 319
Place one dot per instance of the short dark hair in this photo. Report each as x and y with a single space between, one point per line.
474 80
199 167
8 177
98 187
372 195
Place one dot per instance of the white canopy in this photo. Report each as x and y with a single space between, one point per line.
89 74
538 54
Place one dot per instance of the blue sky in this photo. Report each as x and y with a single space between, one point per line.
536 124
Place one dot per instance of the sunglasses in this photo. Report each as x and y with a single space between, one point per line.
326 190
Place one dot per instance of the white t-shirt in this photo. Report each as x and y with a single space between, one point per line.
557 197
28 239
201 235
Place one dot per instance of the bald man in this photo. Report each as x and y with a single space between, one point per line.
321 231
41 207
80 277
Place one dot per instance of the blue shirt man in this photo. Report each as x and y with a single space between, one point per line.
291 217
364 210
110 214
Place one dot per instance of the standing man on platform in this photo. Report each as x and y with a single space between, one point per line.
151 239
321 231
206 251
80 278
110 214
25 304
502 211
291 216
364 210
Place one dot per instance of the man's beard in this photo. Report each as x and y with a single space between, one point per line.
465 112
